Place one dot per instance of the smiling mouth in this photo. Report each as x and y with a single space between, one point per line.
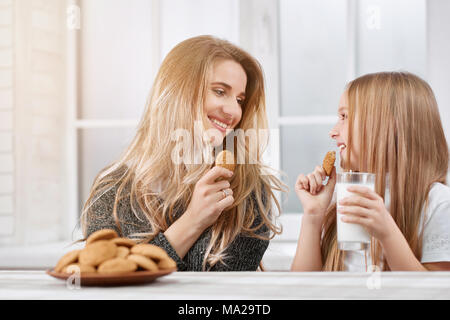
218 124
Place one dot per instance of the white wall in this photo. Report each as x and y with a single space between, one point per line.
439 56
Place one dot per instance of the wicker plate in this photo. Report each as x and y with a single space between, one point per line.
118 279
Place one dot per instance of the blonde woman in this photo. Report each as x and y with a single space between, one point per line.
205 217
389 124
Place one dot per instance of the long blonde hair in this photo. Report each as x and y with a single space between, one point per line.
400 133
176 102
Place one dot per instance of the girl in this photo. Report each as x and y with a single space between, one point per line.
205 218
389 124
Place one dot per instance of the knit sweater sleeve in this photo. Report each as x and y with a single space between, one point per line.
100 216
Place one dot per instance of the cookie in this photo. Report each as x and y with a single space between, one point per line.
328 162
68 258
122 252
97 252
143 262
104 234
225 159
167 264
117 265
123 242
150 251
79 268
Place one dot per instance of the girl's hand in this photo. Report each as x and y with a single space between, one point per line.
208 200
314 196
367 209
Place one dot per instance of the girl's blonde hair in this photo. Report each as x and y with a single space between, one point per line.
176 102
400 134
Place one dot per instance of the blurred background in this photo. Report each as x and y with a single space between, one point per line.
75 75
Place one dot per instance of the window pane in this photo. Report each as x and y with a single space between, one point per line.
116 58
313 53
391 36
97 149
302 149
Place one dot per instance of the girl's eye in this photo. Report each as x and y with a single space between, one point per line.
219 92
342 116
240 101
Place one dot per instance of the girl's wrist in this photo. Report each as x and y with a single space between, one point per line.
312 220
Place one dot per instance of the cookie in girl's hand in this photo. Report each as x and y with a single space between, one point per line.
328 162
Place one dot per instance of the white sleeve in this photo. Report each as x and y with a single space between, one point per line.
436 237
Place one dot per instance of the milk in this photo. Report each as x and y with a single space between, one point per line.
350 236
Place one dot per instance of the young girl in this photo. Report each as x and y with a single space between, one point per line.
389 124
205 218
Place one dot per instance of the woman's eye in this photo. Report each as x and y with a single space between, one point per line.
240 101
342 116
219 92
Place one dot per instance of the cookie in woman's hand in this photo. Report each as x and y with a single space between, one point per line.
225 159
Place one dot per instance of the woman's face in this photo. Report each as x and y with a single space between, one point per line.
340 134
224 99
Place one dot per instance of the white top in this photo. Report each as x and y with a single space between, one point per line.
436 237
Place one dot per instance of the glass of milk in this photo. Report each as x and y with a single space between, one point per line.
351 236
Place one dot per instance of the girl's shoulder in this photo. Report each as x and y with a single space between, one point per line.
439 194
439 200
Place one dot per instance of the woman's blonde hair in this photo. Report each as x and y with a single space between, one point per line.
400 134
176 102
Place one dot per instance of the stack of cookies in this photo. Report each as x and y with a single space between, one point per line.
106 253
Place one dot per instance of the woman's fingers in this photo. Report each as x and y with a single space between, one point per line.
216 172
220 185
222 194
225 202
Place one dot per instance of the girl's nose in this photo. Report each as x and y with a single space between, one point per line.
334 132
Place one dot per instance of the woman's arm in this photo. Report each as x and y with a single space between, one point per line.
308 255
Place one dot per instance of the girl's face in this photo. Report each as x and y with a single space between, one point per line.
340 134
224 99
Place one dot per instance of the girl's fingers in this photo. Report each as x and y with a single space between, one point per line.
354 211
356 220
364 192
302 183
312 183
319 179
356 201
321 171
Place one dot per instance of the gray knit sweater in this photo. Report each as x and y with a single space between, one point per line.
243 254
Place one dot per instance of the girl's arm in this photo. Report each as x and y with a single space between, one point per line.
315 198
399 255
367 208
308 255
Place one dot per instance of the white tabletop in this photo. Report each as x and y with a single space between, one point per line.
238 285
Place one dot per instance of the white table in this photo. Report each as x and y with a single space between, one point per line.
238 285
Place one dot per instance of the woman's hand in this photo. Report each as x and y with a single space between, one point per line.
208 200
367 209
314 196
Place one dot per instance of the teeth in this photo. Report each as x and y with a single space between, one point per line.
220 124
342 146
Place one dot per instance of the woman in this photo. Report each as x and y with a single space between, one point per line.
205 218
389 124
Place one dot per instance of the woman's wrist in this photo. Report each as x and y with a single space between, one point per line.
182 234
